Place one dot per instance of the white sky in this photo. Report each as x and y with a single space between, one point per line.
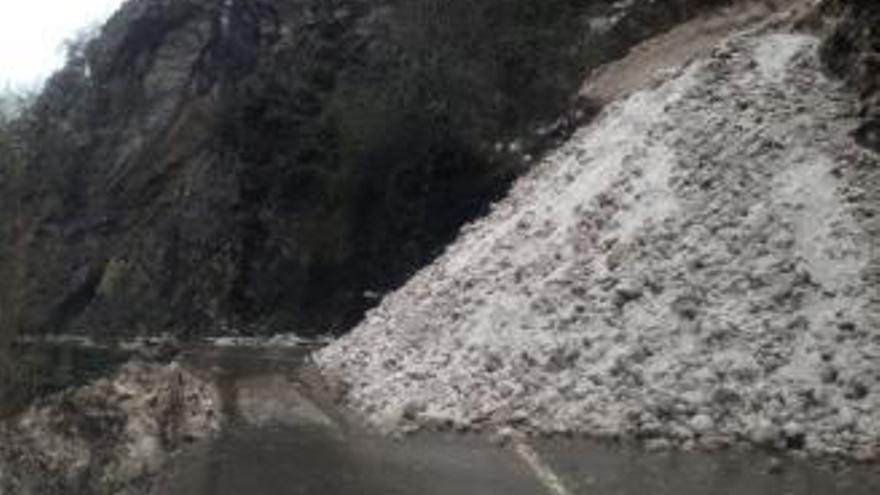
32 33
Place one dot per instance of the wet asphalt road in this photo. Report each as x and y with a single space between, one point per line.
317 456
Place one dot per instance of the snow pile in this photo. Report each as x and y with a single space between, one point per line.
696 268
109 437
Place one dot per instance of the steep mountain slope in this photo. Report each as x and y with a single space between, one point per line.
255 166
697 267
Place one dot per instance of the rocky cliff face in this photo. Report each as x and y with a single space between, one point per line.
209 166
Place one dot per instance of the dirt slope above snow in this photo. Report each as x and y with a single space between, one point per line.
684 42
698 267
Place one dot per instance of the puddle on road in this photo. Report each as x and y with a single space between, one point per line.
318 458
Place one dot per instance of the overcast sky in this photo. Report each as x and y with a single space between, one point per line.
33 31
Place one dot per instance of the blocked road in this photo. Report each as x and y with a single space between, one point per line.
322 456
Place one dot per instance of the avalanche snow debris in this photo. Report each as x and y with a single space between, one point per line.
692 269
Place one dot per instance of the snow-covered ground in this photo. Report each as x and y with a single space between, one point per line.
694 268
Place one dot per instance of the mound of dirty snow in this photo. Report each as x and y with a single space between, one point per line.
109 437
696 268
